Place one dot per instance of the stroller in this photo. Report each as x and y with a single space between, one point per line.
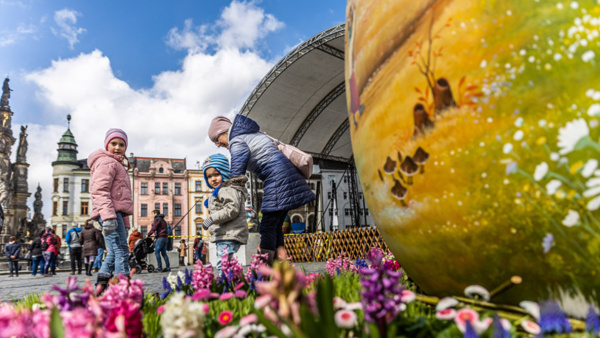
137 258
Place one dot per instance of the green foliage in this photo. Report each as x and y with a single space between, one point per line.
57 330
29 300
151 318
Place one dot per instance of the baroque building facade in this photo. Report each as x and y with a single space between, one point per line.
160 183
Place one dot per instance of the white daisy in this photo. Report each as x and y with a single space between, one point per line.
594 110
589 168
571 219
540 171
553 186
570 134
507 148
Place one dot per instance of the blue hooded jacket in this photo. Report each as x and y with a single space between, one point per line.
283 185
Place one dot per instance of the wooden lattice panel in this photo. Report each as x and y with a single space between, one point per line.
319 247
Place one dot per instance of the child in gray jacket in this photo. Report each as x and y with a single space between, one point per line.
227 222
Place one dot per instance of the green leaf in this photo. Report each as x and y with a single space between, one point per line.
57 330
325 306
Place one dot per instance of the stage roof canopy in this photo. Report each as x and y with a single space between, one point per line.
302 100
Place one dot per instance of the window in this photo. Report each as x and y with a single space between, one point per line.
177 188
56 185
329 195
144 231
144 188
177 232
65 207
345 195
66 185
55 208
198 207
157 207
177 210
144 210
165 209
157 188
345 179
85 186
312 186
84 208
161 170
360 195
367 212
165 190
347 212
198 185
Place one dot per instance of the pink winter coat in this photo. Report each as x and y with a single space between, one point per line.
110 187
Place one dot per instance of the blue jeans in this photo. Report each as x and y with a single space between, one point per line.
98 260
160 248
37 262
231 247
49 258
117 259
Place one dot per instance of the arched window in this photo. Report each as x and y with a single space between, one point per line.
297 219
161 170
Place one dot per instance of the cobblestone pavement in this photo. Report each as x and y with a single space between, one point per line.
15 288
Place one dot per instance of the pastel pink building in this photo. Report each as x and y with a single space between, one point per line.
160 183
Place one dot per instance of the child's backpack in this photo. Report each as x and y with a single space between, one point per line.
45 242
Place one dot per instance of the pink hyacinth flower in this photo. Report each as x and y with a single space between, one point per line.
241 294
226 332
464 315
262 301
408 296
160 309
201 294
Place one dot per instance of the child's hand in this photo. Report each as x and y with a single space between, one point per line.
109 226
207 223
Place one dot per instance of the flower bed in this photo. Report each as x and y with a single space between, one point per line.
365 298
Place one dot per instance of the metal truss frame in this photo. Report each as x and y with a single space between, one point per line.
317 41
336 137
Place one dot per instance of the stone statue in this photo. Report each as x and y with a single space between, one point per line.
37 204
5 93
22 150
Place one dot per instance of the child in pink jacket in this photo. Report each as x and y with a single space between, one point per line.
112 201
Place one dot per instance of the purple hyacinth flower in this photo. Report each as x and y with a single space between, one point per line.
498 330
592 321
179 283
165 284
470 331
553 319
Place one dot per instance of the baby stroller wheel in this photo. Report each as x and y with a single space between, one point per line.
150 268
138 269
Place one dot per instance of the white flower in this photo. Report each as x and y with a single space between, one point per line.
445 303
519 122
553 186
354 306
532 308
182 316
507 148
594 204
540 171
542 123
483 64
531 327
477 290
339 303
408 296
345 319
571 219
589 168
594 190
570 134
594 110
557 56
588 56
554 156
518 135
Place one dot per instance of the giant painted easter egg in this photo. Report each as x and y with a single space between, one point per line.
475 132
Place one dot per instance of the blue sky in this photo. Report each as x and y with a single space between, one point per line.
158 69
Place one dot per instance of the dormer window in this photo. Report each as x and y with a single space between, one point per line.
161 170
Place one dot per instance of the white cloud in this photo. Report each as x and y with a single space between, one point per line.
241 26
170 119
11 37
66 20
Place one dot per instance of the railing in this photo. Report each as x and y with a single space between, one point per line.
319 247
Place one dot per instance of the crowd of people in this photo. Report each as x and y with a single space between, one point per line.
250 150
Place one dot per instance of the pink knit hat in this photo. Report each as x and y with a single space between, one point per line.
218 126
114 133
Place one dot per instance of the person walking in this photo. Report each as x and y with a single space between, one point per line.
12 250
159 229
101 250
198 245
134 237
37 260
112 201
284 186
48 251
72 239
182 252
90 240
57 247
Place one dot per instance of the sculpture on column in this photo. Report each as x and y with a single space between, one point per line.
22 150
5 94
